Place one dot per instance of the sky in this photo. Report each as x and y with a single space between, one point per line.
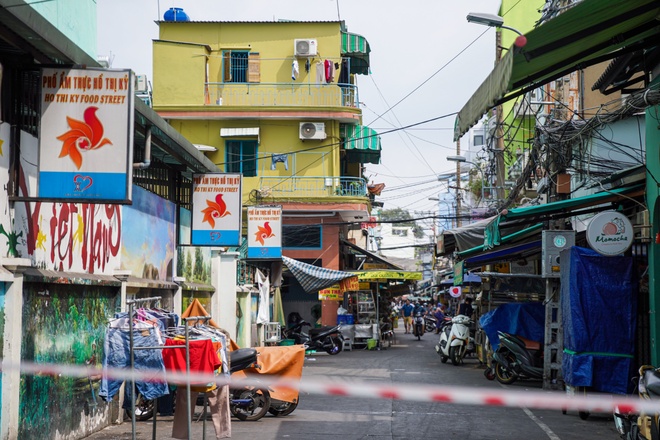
426 61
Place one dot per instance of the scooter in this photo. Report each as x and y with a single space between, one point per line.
430 322
418 326
246 403
516 358
633 426
328 339
454 340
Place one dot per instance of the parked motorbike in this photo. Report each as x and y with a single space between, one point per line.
246 403
633 426
386 334
418 326
454 340
516 358
328 339
430 322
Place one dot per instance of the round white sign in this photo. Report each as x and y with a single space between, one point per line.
610 233
455 291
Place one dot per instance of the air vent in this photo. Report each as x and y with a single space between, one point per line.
304 48
312 130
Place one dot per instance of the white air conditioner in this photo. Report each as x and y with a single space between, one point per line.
304 47
141 84
312 130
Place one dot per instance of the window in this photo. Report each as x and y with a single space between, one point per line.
235 66
301 236
241 157
400 232
478 139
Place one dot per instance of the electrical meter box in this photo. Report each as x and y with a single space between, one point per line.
552 243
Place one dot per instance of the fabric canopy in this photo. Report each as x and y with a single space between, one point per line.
313 278
357 48
590 32
362 144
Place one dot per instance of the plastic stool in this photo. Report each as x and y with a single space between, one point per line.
348 344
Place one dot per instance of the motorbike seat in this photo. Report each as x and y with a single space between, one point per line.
529 344
241 359
316 331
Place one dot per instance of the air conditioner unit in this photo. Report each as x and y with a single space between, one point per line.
312 130
304 47
141 84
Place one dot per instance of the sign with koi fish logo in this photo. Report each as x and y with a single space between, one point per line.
264 232
216 211
86 135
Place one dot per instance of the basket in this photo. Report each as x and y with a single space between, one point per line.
288 342
371 343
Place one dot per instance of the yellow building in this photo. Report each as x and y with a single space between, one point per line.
278 102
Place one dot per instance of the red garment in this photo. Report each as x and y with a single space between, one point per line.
329 71
203 356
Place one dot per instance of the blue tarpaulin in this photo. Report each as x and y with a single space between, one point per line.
523 319
599 309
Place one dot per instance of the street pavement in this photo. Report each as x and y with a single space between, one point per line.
407 362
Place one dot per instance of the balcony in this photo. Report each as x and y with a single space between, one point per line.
281 95
312 187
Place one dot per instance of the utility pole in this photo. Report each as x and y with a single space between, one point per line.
499 133
458 185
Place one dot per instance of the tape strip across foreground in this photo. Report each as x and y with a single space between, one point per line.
373 390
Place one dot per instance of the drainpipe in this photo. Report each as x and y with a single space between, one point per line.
147 152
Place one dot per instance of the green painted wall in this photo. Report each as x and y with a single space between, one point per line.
74 18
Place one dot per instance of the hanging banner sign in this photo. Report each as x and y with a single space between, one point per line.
610 233
349 284
458 273
264 238
217 210
455 291
86 135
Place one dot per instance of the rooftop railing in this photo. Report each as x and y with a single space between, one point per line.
281 94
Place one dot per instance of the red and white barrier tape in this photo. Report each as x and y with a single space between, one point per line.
597 403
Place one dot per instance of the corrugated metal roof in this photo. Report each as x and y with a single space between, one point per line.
37 275
132 281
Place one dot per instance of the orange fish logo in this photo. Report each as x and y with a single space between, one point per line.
264 232
217 209
83 136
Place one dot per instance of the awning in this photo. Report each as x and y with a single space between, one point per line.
508 253
35 274
464 237
394 275
362 144
357 48
564 207
313 278
510 238
371 255
589 33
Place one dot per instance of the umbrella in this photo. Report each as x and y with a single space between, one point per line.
313 278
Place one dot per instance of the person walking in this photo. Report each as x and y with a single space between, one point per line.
440 317
466 308
406 314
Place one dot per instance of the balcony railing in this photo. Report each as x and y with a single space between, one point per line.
281 94
288 187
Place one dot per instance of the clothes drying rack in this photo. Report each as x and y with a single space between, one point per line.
131 309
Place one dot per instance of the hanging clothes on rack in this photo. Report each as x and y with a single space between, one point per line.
295 70
329 68
117 354
320 73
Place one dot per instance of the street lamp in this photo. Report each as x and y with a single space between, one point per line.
461 159
496 21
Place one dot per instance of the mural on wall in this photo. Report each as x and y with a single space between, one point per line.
193 262
63 324
147 247
2 329
8 237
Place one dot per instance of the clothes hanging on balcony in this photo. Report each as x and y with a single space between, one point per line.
329 71
279 158
343 73
320 73
295 70
308 65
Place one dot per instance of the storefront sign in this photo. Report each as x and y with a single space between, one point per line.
455 291
86 135
388 275
364 286
610 233
264 238
458 273
216 212
371 266
349 284
331 293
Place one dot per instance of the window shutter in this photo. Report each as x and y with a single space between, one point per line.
254 67
227 66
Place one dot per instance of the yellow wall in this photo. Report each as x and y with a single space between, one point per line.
273 41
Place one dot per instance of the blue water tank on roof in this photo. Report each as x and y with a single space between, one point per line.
176 14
